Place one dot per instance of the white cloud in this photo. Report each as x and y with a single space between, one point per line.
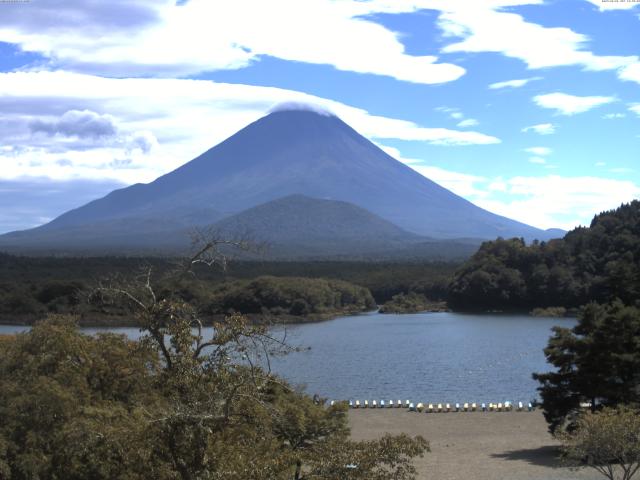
566 104
542 201
462 184
600 164
484 29
176 118
614 4
539 150
201 35
538 160
541 129
611 116
469 122
635 108
169 38
555 201
513 83
631 72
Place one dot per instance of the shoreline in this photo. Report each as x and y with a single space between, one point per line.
124 322
97 321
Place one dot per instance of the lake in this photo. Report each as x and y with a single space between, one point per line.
429 357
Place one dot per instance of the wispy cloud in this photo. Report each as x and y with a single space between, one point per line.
611 116
541 129
557 201
469 122
539 150
181 118
544 201
485 27
537 160
163 38
513 83
566 104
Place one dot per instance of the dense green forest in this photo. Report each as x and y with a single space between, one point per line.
289 296
599 263
31 287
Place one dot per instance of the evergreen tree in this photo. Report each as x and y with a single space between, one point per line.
597 362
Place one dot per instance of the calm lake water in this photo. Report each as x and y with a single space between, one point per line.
429 357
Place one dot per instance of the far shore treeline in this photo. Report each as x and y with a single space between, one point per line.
600 263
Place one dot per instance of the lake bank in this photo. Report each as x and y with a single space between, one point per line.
473 446
96 321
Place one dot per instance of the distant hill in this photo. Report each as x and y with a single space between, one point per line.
284 153
298 226
599 263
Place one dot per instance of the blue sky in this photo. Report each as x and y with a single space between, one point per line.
528 108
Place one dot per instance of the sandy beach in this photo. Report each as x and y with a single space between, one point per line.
480 446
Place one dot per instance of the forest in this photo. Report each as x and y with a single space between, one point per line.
598 263
31 287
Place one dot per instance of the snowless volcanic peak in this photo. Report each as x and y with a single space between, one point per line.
294 150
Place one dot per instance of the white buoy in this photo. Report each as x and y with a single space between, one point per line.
484 407
431 408
473 407
530 407
499 407
447 407
350 403
374 404
457 407
466 407
390 404
399 404
412 407
381 403
366 404
357 403
406 403
439 407
420 407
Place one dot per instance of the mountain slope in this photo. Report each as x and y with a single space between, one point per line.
298 219
285 153
300 227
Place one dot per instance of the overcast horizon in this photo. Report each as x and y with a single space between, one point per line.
527 108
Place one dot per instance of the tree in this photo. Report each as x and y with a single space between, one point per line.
598 363
177 404
608 441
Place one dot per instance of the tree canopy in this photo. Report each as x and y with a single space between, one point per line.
607 441
598 263
597 363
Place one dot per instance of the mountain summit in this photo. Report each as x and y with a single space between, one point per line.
287 152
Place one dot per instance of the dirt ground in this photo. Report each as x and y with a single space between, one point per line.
473 445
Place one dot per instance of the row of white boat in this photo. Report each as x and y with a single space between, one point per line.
443 407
